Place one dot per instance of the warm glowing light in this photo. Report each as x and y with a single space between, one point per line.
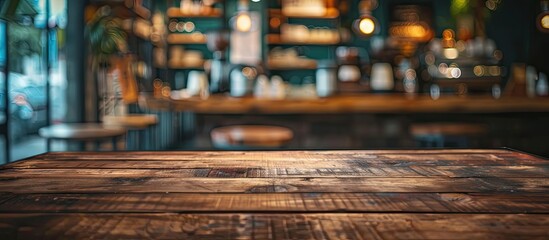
443 68
494 71
410 74
461 46
166 91
490 4
430 58
189 27
455 72
451 53
479 71
243 22
498 55
448 34
275 22
410 31
367 26
545 21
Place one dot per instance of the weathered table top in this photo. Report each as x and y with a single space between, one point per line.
428 194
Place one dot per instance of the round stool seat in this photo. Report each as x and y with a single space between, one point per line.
251 136
80 131
83 132
131 121
447 129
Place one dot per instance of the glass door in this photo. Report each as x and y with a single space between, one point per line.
34 76
4 149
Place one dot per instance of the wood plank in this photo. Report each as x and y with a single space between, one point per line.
356 103
274 226
277 202
214 153
265 162
6 196
241 185
417 155
130 164
541 171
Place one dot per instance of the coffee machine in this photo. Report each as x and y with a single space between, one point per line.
218 42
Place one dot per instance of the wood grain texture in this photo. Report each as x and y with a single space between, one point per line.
277 202
539 171
297 159
258 185
274 226
428 194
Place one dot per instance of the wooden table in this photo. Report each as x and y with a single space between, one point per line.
430 194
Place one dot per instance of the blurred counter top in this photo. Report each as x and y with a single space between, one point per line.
358 103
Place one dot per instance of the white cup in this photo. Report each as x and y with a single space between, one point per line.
196 83
382 77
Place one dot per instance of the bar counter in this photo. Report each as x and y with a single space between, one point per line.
358 103
412 194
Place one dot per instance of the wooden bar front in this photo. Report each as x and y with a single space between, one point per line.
358 103
427 194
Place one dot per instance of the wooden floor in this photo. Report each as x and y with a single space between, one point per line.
427 194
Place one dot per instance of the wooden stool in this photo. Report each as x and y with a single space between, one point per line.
251 136
83 132
445 134
135 124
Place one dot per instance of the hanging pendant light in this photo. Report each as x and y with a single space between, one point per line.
366 25
242 21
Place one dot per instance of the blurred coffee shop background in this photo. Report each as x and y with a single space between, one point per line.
330 74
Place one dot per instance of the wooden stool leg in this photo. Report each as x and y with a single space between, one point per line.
48 145
141 140
129 140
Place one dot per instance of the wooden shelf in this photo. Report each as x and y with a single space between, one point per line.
332 14
172 65
275 39
289 68
307 64
182 38
175 12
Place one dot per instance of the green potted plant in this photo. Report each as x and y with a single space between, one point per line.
471 15
106 36
107 39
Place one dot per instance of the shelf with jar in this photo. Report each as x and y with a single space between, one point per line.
463 66
288 59
186 38
195 9
301 35
332 13
206 12
185 59
310 8
188 22
190 19
302 24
